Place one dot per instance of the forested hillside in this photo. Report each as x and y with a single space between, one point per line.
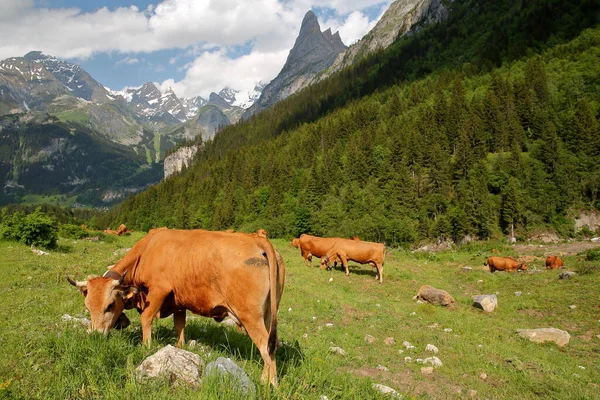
468 127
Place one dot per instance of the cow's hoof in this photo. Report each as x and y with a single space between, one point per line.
329 268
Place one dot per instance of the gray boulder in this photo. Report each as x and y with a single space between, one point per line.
566 275
386 390
437 297
541 335
174 364
225 368
486 302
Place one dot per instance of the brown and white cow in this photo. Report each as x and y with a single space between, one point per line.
554 262
213 274
507 264
344 250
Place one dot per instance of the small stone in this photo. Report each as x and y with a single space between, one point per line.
581 367
314 318
434 325
413 313
329 325
402 351
541 335
225 368
572 306
337 350
382 368
407 359
420 302
323 397
436 362
480 281
386 390
192 343
305 335
330 279
419 361
486 302
290 309
447 329
369 339
472 393
389 341
437 297
427 370
467 269
480 346
172 363
406 344
483 376
431 348
566 275
378 305
518 293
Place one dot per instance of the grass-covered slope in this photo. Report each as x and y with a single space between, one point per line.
42 357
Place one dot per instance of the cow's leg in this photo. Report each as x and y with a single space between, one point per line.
255 326
179 321
154 302
344 262
379 269
310 259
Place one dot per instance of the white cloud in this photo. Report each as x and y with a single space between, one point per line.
203 29
212 71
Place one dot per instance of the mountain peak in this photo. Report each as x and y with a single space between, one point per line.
37 55
310 24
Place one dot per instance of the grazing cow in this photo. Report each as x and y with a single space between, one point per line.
554 262
295 242
314 246
508 264
213 274
345 250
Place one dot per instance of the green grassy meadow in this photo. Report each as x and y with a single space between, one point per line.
42 357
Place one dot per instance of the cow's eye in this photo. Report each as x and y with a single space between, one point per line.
110 307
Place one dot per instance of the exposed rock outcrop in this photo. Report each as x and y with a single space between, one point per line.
175 162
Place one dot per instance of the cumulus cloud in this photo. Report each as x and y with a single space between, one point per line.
205 30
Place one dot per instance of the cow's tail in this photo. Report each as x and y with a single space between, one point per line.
273 282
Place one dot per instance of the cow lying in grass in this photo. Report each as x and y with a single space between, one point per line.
507 264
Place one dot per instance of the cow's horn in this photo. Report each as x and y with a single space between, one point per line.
78 284
123 276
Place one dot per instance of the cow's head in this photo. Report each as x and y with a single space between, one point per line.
295 242
326 262
105 299
523 266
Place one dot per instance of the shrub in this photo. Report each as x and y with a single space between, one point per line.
592 255
35 229
70 231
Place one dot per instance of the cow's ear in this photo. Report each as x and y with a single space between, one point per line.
127 292
83 290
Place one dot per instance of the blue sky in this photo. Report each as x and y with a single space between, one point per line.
193 46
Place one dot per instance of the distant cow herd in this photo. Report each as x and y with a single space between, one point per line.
218 275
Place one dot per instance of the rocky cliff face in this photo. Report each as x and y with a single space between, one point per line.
175 162
402 17
313 52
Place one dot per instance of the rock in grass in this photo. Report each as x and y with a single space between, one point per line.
431 348
467 269
437 297
225 368
434 361
541 335
389 341
82 321
427 370
566 275
386 390
337 350
174 364
486 302
369 339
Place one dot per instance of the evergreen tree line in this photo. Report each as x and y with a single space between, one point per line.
470 150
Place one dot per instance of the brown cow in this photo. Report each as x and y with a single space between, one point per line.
314 246
213 274
508 264
554 262
345 250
